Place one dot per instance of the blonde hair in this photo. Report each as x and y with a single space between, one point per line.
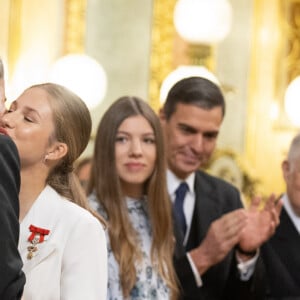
106 184
72 126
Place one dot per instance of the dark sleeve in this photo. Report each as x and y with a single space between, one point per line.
12 278
253 289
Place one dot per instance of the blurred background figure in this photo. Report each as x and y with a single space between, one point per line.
83 171
281 252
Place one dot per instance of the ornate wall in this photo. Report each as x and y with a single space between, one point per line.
257 59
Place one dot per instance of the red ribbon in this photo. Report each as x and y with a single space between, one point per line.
37 230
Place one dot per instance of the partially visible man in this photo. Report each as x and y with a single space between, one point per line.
83 171
281 253
217 239
12 278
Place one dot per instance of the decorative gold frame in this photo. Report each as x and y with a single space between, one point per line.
75 26
288 56
14 34
161 62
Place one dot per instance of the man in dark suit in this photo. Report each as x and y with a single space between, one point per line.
12 278
281 253
217 239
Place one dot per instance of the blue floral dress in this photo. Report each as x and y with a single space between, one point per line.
149 285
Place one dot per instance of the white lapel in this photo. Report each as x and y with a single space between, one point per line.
42 214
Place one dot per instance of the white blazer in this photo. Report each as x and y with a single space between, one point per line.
71 263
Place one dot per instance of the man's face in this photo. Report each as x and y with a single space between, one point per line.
291 174
190 135
2 97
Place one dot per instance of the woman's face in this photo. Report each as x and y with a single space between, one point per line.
29 123
135 150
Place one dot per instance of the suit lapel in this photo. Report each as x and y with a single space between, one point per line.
205 211
43 251
42 214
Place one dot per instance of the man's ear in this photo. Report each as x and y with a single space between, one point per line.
285 166
57 151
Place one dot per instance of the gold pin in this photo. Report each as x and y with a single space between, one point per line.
32 248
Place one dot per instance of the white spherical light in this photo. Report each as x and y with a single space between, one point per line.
292 101
81 74
203 21
184 72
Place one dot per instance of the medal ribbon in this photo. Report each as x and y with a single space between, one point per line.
37 230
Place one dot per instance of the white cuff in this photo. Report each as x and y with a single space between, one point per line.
246 268
197 276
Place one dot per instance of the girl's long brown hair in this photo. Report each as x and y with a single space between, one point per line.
105 183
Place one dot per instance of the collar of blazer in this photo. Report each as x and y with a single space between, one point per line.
43 213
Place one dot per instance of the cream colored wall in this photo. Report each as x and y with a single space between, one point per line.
118 35
232 67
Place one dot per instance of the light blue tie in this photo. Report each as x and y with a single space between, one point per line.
178 205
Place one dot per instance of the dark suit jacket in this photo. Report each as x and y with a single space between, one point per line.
12 278
281 256
214 198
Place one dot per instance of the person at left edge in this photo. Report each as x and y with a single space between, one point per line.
12 279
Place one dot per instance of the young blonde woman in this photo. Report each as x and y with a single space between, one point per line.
128 187
62 245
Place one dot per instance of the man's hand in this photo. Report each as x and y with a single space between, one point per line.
222 236
261 223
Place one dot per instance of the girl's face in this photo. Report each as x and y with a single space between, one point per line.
29 123
135 153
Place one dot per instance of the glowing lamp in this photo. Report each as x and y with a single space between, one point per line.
292 101
203 21
81 74
184 72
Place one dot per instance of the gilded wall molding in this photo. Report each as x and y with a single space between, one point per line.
75 26
265 144
288 66
14 34
161 60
